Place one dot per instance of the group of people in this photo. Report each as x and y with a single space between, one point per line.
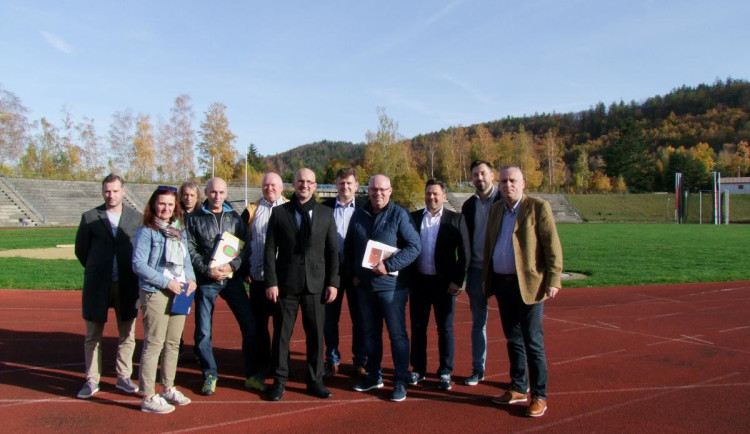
301 255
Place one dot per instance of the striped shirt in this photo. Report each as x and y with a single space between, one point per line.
258 228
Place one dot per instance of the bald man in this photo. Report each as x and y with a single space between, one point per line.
256 215
205 226
382 296
302 273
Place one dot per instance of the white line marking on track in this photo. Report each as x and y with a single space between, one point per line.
733 329
592 356
696 339
623 404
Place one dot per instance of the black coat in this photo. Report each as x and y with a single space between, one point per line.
452 254
95 249
291 271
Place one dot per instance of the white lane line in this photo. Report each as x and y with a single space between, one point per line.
659 316
734 328
626 403
592 356
696 339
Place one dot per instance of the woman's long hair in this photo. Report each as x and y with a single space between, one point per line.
149 214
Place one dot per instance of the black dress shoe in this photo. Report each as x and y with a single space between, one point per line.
319 391
276 392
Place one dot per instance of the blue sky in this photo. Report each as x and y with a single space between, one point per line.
295 72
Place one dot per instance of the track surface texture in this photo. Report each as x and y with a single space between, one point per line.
668 359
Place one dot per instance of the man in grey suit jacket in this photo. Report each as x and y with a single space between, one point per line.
104 246
301 271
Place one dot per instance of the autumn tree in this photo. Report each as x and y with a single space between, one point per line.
581 172
483 145
524 155
551 160
14 128
215 147
733 159
383 153
91 154
120 140
142 163
386 153
180 139
448 159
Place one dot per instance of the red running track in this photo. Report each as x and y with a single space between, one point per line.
668 359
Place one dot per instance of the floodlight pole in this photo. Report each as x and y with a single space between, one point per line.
246 152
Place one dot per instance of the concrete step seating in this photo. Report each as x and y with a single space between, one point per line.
62 202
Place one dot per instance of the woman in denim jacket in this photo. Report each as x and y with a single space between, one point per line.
162 264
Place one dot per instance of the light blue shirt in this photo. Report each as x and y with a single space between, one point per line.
503 257
428 234
342 214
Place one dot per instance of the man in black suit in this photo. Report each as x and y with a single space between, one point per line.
104 246
301 271
437 278
343 206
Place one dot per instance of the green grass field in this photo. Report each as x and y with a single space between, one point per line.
653 208
636 254
615 254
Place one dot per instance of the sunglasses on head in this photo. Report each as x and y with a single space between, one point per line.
167 188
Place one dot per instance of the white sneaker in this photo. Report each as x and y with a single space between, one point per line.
175 397
157 404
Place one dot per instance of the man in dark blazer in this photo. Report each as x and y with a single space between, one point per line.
476 210
104 246
437 278
301 271
522 267
343 206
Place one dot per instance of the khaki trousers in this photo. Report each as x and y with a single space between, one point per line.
92 345
162 330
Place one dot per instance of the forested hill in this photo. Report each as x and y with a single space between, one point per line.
318 156
634 146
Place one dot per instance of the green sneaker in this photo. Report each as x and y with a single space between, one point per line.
209 385
256 382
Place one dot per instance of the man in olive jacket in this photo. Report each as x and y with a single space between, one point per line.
522 267
104 246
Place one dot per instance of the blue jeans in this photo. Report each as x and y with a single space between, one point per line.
331 329
478 306
236 297
431 293
522 325
391 307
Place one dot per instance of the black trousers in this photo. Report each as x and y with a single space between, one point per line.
313 318
427 294
263 310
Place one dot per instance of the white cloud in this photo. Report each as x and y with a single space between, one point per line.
471 90
57 42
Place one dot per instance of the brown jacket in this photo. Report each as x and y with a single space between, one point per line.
539 258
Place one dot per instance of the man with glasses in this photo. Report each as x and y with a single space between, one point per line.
381 293
302 273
